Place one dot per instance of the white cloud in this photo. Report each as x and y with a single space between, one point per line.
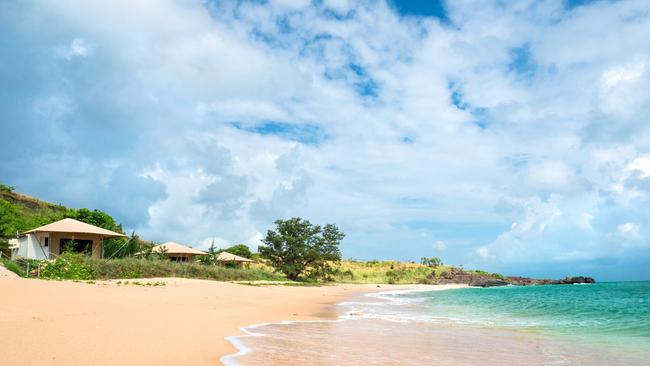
628 230
484 253
641 165
77 48
554 176
420 131
440 245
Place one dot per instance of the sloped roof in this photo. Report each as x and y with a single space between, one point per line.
175 248
74 226
229 257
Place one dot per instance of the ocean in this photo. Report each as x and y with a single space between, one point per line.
596 324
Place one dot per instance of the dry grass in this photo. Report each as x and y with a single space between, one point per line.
385 272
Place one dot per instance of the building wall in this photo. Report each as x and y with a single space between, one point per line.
32 246
181 257
56 239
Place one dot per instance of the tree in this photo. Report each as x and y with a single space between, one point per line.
211 258
121 248
431 262
299 249
240 249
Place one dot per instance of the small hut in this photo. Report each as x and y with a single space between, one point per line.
48 241
229 258
177 252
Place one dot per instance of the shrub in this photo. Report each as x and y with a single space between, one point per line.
394 275
431 262
142 268
240 249
68 266
13 267
6 188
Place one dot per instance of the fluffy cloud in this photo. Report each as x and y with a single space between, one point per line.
511 134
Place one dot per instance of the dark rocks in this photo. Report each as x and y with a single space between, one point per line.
459 276
576 279
483 279
489 283
526 281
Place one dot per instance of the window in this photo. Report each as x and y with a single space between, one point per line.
46 242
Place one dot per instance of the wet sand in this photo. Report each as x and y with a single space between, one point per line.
392 337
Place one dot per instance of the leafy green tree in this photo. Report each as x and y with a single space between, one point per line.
122 248
211 258
431 262
10 219
6 188
299 249
240 249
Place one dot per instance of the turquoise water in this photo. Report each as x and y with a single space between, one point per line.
616 311
586 325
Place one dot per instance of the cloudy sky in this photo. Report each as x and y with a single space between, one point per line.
508 138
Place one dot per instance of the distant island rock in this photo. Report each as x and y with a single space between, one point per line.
479 279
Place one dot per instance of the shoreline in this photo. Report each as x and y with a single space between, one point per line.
242 349
186 321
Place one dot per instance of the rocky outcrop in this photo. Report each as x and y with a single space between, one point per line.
459 276
482 279
489 282
576 279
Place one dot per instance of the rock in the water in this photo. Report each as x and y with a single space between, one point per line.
489 283
577 279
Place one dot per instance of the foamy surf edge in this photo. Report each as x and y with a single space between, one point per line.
237 340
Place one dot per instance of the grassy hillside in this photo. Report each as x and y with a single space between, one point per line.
19 212
352 271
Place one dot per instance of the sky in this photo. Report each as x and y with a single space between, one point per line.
512 137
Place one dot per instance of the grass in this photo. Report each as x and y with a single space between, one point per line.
352 271
13 267
80 267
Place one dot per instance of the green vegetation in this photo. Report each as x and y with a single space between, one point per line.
431 262
13 267
68 266
19 213
6 188
303 251
240 249
392 272
80 267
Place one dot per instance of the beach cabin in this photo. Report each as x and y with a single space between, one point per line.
177 252
229 258
46 242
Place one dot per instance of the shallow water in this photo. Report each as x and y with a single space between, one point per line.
604 324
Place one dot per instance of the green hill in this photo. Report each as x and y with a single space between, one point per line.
19 212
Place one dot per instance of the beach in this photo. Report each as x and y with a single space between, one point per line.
184 322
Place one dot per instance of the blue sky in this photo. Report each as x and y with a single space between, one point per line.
511 137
